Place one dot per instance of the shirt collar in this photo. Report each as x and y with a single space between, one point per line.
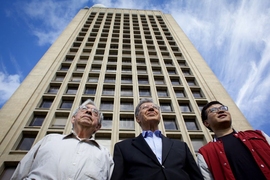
74 135
150 133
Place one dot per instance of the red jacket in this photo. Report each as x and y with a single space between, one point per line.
217 162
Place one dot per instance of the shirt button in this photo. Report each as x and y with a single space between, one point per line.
73 164
262 165
225 164
163 167
220 152
252 150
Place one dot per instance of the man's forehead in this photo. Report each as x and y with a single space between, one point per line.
90 106
147 103
214 105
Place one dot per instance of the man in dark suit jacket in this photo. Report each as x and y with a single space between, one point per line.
152 156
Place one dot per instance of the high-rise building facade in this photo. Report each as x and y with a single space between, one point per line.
114 57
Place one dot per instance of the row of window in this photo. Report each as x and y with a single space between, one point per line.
109 90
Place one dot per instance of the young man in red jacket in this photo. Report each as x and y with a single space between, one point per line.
232 155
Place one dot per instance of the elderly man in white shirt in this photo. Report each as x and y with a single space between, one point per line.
73 156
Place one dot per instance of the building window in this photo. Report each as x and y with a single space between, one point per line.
175 81
166 107
111 69
170 124
95 69
66 104
108 91
143 80
53 89
159 80
191 124
46 103
37 120
126 123
72 90
185 107
144 92
171 71
106 105
26 142
59 78
126 91
64 68
186 72
7 172
197 94
107 122
126 106
80 68
126 80
141 70
197 143
93 79
179 93
59 122
191 82
157 71
90 90
162 93
109 79
76 78
126 69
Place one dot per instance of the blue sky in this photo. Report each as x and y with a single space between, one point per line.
232 36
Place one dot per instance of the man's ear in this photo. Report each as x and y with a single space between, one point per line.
73 120
138 120
206 123
98 127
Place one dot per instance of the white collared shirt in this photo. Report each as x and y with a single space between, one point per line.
155 143
65 157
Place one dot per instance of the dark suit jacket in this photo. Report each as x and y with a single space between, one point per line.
134 160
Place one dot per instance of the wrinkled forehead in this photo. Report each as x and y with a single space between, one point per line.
147 104
90 106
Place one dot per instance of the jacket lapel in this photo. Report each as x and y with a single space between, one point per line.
142 145
166 147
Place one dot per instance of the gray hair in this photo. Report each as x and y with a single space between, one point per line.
142 101
89 101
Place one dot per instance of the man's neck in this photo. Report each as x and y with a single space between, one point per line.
223 132
83 134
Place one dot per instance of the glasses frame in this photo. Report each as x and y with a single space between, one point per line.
144 107
94 111
217 109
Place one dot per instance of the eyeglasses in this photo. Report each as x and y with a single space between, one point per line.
93 110
144 107
217 109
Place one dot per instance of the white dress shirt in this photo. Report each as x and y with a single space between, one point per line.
64 157
154 140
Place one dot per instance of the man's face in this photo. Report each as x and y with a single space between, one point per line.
218 117
148 114
87 117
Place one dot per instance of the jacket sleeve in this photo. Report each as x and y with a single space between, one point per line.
207 175
118 171
25 165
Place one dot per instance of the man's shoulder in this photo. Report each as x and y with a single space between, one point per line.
126 141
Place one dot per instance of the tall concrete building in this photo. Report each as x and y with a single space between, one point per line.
114 57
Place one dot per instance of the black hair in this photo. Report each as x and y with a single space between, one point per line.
204 113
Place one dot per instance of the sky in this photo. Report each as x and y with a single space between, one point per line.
232 36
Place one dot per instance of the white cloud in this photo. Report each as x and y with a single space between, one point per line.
51 16
8 85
